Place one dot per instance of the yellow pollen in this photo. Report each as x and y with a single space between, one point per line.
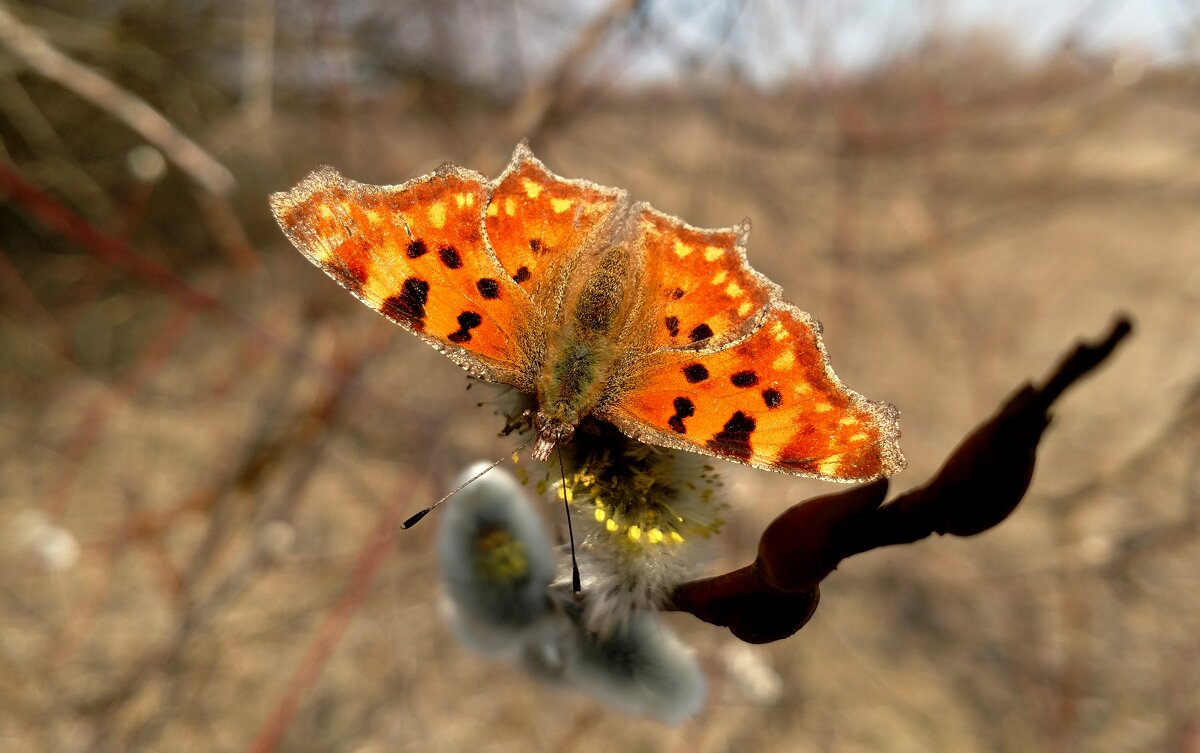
859 437
744 308
566 493
531 189
676 537
437 215
848 421
560 205
655 535
600 515
719 277
733 290
712 253
822 407
510 206
611 525
682 250
516 457
634 533
785 361
493 209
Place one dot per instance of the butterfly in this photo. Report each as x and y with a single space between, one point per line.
597 306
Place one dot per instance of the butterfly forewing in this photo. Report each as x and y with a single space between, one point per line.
415 253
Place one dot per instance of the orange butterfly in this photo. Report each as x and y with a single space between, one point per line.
597 306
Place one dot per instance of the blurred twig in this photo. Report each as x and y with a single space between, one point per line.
94 419
114 251
108 248
371 556
28 46
540 101
23 300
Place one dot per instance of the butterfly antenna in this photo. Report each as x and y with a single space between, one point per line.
412 521
576 581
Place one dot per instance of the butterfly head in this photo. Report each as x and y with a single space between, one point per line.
551 431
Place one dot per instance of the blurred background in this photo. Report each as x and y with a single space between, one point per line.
205 445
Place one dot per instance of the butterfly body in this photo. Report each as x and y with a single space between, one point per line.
596 306
583 355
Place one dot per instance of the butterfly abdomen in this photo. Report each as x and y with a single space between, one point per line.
580 353
572 376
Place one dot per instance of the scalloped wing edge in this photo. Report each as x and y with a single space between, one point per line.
886 416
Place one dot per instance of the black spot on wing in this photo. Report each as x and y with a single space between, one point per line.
522 275
772 397
700 332
409 305
677 293
744 379
488 288
416 249
467 321
695 372
672 323
734 439
449 256
684 408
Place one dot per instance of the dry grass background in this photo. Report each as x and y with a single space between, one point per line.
229 439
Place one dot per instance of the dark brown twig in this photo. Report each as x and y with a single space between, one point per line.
979 486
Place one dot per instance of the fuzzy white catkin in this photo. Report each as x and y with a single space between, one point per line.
497 563
640 668
494 610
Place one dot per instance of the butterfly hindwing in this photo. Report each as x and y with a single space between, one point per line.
770 400
540 225
699 290
415 253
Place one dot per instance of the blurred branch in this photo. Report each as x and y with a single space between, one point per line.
541 100
54 216
329 633
979 486
1168 535
24 302
39 131
30 48
258 66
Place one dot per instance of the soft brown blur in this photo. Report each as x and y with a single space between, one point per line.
205 444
